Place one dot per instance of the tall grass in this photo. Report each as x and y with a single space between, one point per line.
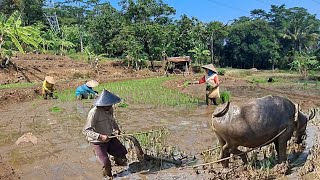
143 91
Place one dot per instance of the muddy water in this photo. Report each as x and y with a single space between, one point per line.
63 153
189 127
310 140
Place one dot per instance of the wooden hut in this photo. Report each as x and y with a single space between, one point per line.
178 65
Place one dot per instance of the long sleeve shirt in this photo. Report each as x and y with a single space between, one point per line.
210 80
99 122
47 86
84 89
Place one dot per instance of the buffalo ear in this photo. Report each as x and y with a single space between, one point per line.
312 114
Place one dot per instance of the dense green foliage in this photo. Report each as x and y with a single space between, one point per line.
140 30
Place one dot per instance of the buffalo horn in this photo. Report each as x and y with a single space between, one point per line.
223 112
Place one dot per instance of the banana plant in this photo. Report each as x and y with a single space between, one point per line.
200 54
14 36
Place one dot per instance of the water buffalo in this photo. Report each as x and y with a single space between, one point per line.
257 122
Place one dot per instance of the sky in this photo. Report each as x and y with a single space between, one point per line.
225 10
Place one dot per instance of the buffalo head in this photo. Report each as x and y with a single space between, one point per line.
301 125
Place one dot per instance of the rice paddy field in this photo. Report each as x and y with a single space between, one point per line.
171 118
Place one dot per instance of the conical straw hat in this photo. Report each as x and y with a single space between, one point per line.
106 99
50 79
92 83
210 67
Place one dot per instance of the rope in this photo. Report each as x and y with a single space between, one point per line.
223 159
121 135
211 149
217 161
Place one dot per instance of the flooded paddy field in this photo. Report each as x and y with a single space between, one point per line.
62 152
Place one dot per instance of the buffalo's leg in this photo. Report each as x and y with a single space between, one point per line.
282 146
242 155
225 152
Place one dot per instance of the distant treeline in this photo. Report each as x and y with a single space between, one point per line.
146 30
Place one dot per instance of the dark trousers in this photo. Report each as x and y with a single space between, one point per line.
48 94
114 148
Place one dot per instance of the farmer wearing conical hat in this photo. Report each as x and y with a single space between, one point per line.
86 91
48 87
212 80
99 127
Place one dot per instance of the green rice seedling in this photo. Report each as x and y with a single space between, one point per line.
66 95
221 72
186 83
17 85
225 96
55 109
149 91
142 91
123 105
258 80
154 143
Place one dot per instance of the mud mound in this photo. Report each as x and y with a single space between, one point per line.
17 95
8 173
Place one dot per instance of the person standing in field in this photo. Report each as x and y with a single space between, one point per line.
86 91
48 87
100 126
212 80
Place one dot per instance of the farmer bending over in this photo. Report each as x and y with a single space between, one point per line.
85 91
212 81
48 87
99 127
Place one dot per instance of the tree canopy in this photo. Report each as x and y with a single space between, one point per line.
147 30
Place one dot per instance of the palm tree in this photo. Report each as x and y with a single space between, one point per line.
303 29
